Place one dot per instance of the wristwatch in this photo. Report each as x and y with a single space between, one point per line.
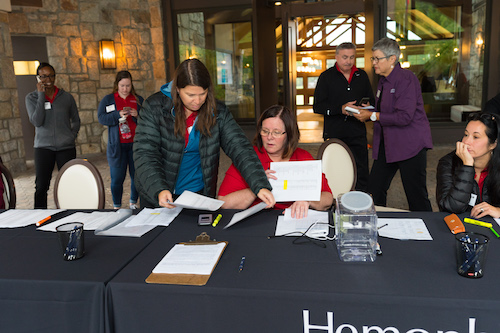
373 117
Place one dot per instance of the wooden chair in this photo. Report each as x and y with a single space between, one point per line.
338 166
9 193
79 185
340 170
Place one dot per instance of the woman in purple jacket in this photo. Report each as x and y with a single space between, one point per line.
401 131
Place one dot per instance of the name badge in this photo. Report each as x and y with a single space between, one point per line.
473 198
48 106
393 91
378 93
110 108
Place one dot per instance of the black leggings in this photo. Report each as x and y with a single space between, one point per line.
44 165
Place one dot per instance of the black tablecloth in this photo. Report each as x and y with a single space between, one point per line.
285 287
40 292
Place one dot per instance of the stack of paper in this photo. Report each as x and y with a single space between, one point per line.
405 229
296 227
154 216
190 259
91 221
16 218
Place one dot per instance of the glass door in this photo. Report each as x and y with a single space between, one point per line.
223 41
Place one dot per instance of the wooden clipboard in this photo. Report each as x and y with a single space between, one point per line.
188 279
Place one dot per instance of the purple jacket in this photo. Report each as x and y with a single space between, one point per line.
402 117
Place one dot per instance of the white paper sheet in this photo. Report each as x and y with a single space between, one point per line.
287 225
297 180
91 221
190 259
192 200
405 229
122 229
154 217
17 218
246 213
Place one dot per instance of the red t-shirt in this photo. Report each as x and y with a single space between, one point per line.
233 181
51 100
120 104
480 182
189 126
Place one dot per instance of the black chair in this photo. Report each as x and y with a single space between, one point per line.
9 193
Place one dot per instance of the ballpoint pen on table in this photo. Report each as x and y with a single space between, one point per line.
242 263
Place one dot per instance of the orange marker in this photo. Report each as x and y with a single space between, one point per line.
39 223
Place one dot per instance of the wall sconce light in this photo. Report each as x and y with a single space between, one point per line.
479 40
107 54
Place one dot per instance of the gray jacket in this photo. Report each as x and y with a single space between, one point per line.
55 128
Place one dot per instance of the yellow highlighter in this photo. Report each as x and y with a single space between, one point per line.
476 222
216 221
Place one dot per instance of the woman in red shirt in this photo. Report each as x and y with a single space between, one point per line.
276 140
119 111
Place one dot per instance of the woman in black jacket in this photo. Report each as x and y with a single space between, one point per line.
468 179
178 139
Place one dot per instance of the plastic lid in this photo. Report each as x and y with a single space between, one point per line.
356 201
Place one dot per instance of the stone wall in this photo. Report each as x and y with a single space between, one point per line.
476 62
73 29
191 33
11 142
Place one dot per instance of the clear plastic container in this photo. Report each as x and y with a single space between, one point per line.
124 128
356 227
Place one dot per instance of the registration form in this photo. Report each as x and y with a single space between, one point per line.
297 180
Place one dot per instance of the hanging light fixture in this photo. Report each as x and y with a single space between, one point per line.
107 54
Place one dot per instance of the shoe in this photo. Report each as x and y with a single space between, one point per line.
133 206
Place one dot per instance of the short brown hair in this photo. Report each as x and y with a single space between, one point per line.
291 128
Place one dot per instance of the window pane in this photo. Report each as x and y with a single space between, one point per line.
229 59
300 83
432 47
311 82
300 99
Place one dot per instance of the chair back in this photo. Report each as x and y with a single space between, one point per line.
79 185
9 192
338 166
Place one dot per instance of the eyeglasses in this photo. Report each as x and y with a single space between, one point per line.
274 134
43 77
377 59
310 235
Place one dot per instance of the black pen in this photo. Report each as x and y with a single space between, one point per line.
242 263
385 225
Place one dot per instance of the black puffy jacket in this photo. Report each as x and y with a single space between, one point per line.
455 184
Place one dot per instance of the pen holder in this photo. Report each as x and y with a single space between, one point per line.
72 240
471 249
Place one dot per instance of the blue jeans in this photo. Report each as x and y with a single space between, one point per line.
119 173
